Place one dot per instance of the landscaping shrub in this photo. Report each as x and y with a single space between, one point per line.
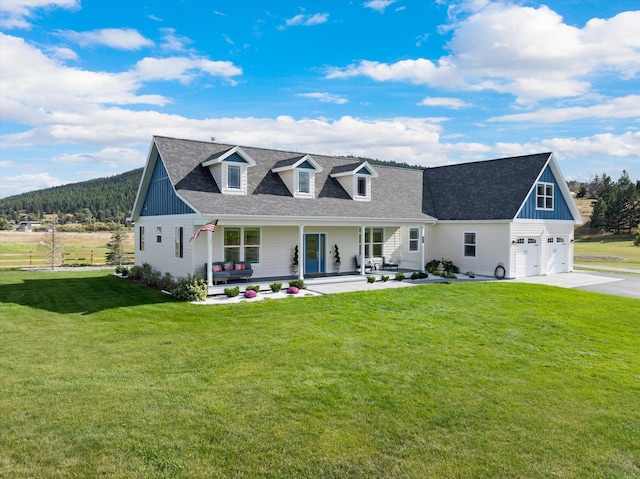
399 276
135 273
371 279
384 278
297 283
292 290
250 293
423 275
191 288
275 287
232 292
253 287
123 270
415 275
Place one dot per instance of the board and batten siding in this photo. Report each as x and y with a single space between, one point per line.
161 198
492 246
560 208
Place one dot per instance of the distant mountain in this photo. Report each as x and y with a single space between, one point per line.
104 199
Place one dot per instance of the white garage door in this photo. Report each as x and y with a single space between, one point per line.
526 256
556 255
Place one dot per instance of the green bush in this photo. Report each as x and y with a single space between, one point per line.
415 275
423 275
275 287
253 287
371 279
232 292
123 270
384 278
297 283
399 276
191 288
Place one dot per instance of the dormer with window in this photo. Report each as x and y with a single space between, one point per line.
299 175
356 179
229 170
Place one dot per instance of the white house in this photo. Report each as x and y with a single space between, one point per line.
514 212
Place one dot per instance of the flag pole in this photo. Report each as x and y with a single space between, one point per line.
210 258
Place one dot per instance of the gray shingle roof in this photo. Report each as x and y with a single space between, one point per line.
396 192
483 190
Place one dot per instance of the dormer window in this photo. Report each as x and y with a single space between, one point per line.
299 174
303 182
230 170
356 179
233 176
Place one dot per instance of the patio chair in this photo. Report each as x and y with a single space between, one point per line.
367 266
389 266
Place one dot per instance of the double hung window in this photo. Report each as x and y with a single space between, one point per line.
242 244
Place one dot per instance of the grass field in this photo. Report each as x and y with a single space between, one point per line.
607 250
101 377
15 246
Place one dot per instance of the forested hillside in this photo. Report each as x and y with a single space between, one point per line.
103 199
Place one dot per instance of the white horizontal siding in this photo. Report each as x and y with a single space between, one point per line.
492 246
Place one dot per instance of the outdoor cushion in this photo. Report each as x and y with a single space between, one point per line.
217 267
240 266
228 266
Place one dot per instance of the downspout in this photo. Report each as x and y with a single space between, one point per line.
422 263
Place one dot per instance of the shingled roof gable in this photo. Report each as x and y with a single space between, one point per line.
483 190
397 189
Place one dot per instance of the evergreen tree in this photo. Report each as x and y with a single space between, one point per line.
598 214
115 249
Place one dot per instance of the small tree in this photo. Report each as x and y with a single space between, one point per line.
115 249
52 246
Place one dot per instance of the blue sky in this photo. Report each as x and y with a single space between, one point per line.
85 84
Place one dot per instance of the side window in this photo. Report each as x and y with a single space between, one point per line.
158 234
470 244
141 239
414 239
179 242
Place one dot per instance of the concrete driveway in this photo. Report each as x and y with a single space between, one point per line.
616 284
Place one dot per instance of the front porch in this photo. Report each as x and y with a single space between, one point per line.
327 282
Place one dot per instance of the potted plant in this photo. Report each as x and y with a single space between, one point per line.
294 265
336 257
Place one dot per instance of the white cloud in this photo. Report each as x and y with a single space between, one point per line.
16 13
119 38
325 97
526 52
623 107
379 5
112 157
183 69
78 92
307 20
446 102
14 185
172 42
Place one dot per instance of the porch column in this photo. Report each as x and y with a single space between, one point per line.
422 263
301 252
210 258
362 273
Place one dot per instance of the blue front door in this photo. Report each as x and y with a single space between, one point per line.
314 253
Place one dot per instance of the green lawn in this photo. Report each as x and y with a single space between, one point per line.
100 377
607 250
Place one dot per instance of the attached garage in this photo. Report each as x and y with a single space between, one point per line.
556 252
527 256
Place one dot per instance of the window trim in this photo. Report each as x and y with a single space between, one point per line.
228 185
310 183
141 238
159 234
415 240
179 242
242 246
365 181
473 244
544 196
370 245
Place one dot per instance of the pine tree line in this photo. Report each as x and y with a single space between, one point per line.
616 206
103 199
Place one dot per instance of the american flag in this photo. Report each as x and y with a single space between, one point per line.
211 226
